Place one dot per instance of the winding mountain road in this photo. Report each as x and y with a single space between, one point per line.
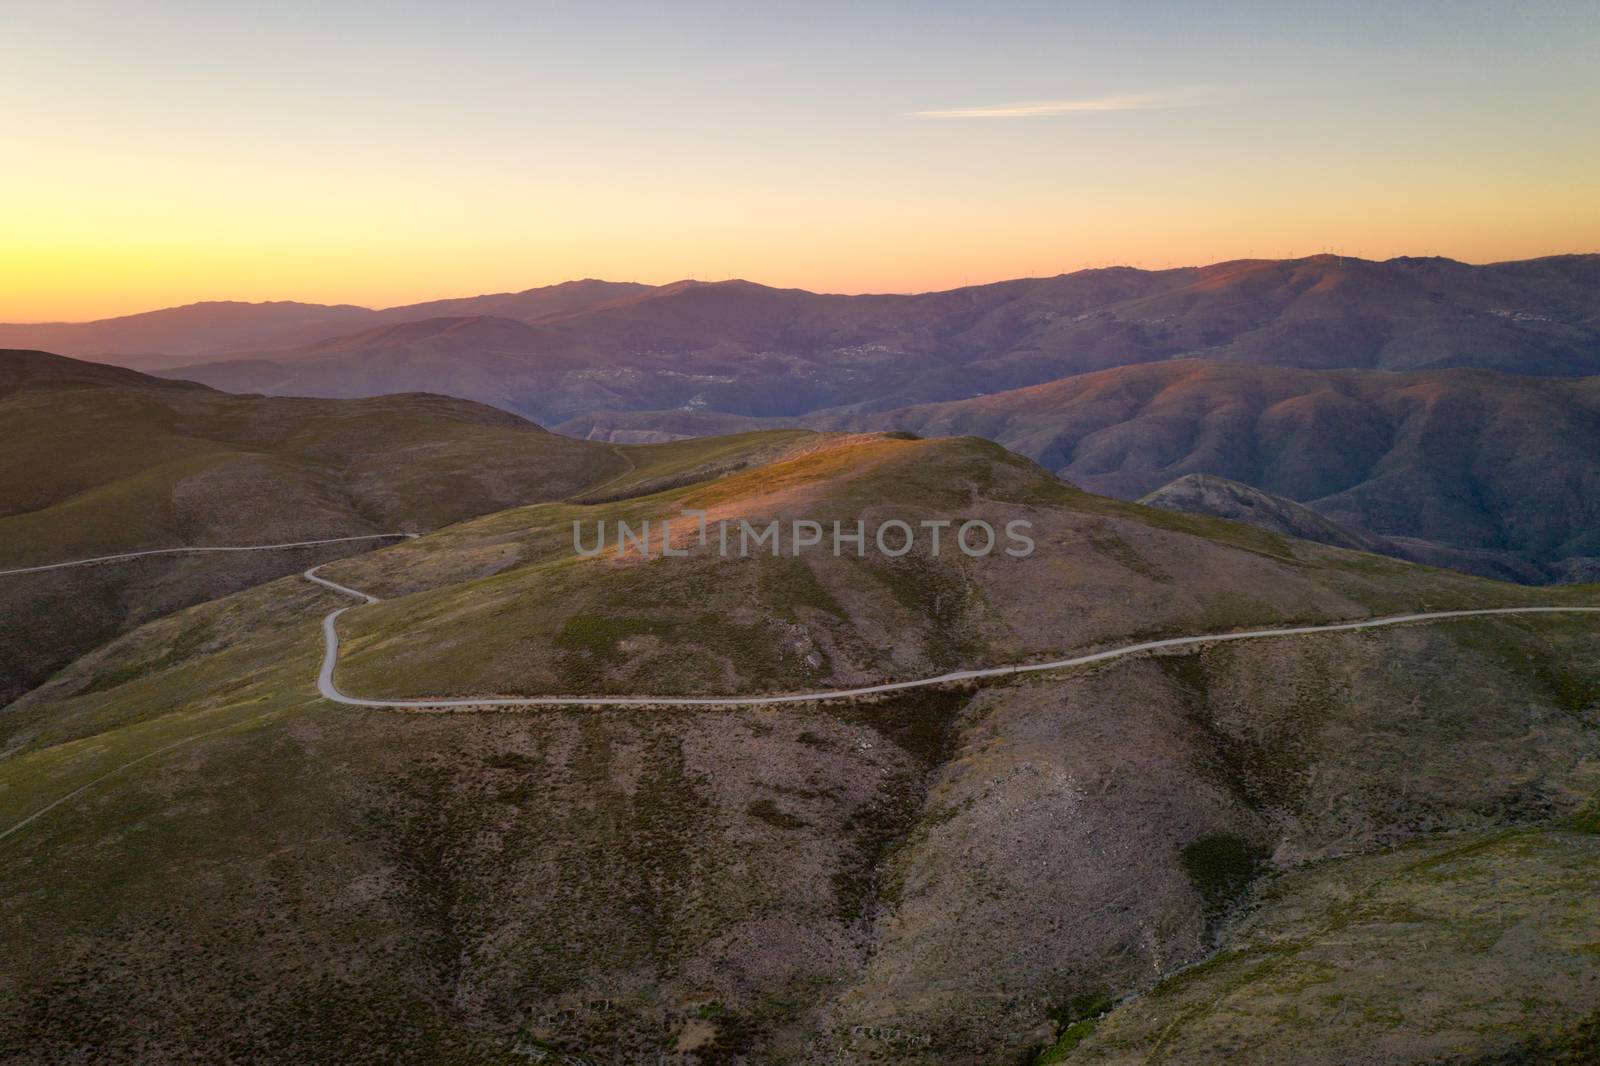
329 690
330 660
184 742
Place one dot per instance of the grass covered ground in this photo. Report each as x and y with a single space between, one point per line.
505 606
1477 948
100 460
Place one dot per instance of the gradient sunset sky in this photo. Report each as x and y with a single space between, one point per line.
162 153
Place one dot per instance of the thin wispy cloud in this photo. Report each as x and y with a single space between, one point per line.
1192 96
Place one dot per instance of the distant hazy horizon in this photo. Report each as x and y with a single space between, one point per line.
515 288
171 154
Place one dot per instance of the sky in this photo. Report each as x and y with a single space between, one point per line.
382 153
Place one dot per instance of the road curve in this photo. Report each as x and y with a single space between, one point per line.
196 551
330 659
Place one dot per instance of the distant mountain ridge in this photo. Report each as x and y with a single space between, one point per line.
1099 375
215 328
155 338
748 349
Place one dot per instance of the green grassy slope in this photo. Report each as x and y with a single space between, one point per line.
100 460
1480 948
503 605
101 464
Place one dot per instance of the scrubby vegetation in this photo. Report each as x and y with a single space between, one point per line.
1077 1019
1220 866
939 877
1312 979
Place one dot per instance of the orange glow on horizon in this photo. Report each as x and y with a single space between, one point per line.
273 236
247 153
64 283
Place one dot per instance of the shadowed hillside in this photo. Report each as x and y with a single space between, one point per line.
1463 459
1238 502
214 466
161 338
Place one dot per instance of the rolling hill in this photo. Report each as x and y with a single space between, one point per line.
1459 459
219 863
1237 502
216 328
101 460
211 465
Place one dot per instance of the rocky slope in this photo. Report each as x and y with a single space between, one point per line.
947 877
1237 502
